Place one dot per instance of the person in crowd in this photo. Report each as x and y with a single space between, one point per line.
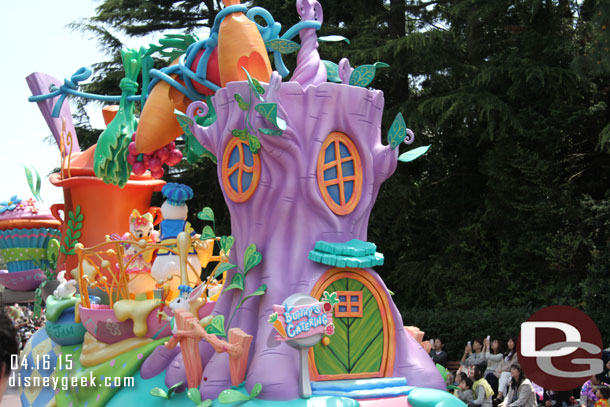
492 354
438 354
502 371
520 392
552 398
481 390
473 355
602 394
464 392
8 347
588 390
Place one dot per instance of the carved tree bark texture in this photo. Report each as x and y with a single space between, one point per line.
287 215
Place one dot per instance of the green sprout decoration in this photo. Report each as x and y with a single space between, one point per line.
49 272
75 224
251 258
195 396
266 109
330 298
227 396
159 392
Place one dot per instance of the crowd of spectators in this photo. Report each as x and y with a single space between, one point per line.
489 375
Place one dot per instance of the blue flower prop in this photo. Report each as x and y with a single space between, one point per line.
12 204
177 194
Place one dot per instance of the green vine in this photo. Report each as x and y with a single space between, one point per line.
75 224
49 272
227 396
251 258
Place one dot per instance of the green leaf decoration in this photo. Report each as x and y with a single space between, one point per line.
79 218
34 186
259 291
232 396
414 154
69 233
70 224
258 86
171 390
241 134
333 38
362 75
236 282
240 102
207 233
254 143
283 46
381 65
195 151
76 235
217 326
222 268
253 88
206 214
207 403
332 71
71 214
226 242
194 395
331 298
158 392
269 112
256 390
398 131
184 122
251 258
270 132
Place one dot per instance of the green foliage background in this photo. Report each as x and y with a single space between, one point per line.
509 211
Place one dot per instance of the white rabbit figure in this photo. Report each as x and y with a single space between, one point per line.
183 302
174 211
65 289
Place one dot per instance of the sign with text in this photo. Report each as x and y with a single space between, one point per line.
301 321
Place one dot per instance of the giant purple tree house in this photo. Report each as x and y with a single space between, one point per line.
305 199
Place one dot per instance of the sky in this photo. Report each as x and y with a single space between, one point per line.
36 39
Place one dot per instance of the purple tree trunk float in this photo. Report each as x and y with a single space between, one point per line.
286 215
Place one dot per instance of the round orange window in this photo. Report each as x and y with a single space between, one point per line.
339 173
241 170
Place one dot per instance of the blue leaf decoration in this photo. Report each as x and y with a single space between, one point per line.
332 71
398 131
333 38
283 46
270 132
413 154
185 122
362 75
269 112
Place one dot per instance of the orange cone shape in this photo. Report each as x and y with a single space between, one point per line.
158 125
241 45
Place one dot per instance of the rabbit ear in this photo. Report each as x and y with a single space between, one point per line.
196 293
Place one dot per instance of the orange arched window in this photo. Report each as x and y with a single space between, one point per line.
241 170
339 173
